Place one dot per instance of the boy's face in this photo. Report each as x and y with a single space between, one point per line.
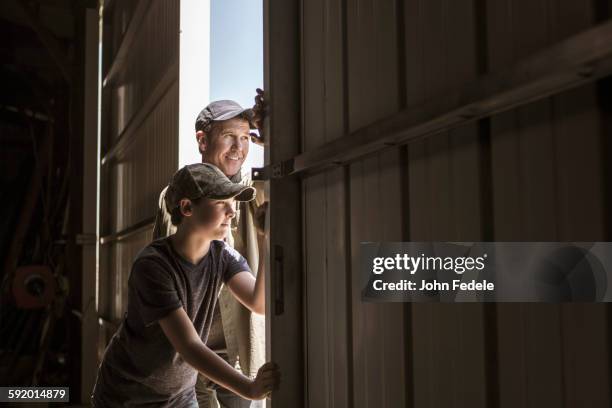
212 217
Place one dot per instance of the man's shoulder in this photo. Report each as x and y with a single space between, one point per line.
162 195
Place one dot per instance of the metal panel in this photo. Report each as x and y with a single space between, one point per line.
444 190
140 135
541 175
124 253
118 257
378 334
119 15
153 51
533 173
581 59
326 291
327 312
374 91
284 267
144 169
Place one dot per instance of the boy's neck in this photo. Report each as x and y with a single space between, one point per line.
192 247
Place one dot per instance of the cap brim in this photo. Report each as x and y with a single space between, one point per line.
247 113
239 192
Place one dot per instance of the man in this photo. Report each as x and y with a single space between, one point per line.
172 292
237 335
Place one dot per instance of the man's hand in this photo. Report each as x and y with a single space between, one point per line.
260 109
267 380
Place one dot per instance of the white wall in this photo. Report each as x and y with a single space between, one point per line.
194 74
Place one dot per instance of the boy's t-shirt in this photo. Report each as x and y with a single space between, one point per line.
140 366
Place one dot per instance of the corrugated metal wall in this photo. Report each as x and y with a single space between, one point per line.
535 173
139 134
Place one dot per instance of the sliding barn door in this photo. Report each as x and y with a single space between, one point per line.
140 123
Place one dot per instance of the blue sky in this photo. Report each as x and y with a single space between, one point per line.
236 56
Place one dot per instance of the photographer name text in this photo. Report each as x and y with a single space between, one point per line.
434 285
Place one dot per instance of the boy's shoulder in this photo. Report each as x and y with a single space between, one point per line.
222 250
159 250
228 254
218 247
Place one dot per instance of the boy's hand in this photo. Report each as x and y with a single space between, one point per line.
267 380
260 219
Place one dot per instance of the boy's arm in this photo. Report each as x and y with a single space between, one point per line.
251 291
182 335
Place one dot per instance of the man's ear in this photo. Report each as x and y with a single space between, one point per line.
202 141
186 207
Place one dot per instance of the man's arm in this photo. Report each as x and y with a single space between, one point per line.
182 335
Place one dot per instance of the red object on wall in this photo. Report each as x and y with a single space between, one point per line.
34 286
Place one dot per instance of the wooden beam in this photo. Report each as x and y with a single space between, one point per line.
580 59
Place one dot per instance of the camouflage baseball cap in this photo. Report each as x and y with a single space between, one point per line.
204 180
222 110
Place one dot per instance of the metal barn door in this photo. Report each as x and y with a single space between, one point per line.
442 120
139 137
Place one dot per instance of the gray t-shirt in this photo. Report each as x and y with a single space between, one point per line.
140 367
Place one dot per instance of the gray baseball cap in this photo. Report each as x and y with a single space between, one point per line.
204 180
222 110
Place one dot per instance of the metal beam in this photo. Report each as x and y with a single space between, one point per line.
120 57
161 88
129 231
27 112
108 5
578 60
108 324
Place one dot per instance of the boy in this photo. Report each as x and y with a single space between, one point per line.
222 132
172 290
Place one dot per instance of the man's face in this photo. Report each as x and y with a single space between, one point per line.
211 217
227 145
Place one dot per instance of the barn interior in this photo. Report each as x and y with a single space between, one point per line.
41 138
389 121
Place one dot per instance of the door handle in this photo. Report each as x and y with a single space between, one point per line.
279 288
